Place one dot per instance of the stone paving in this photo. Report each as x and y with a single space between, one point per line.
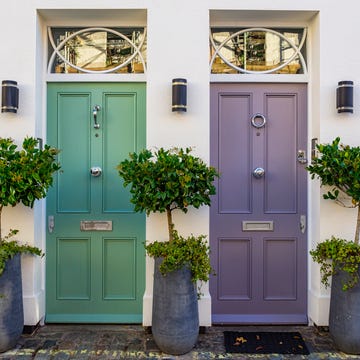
62 342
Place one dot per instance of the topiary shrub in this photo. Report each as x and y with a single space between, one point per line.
25 176
168 180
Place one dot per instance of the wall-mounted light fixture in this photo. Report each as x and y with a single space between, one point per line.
179 88
345 97
9 96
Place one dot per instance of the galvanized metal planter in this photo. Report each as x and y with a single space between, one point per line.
175 318
11 304
344 321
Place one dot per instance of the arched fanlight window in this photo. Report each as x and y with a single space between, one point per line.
258 50
97 50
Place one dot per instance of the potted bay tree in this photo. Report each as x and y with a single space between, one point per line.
338 167
165 181
25 176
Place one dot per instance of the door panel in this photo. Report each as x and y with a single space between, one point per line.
234 257
281 148
258 250
78 271
118 141
115 260
280 276
72 191
234 139
95 263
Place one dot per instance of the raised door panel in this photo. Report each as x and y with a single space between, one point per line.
234 194
281 147
73 139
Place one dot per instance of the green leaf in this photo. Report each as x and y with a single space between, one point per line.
167 178
192 251
338 166
8 249
26 174
335 255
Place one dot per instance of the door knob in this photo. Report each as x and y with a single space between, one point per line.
259 172
95 171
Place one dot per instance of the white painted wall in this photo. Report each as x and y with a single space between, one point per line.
178 47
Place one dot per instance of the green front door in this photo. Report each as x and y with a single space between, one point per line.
95 260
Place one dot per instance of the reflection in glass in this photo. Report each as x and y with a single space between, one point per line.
279 51
104 50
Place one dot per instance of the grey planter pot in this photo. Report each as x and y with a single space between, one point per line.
175 319
344 320
11 304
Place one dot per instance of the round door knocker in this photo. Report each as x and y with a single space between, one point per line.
258 121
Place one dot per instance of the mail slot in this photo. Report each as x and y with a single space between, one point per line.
95 225
258 226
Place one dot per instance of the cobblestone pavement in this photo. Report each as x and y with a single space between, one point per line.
62 342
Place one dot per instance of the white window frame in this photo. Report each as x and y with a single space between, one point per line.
266 76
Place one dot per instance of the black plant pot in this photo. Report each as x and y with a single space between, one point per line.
344 320
11 304
175 317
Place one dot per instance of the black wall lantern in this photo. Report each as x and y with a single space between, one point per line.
345 97
179 88
9 96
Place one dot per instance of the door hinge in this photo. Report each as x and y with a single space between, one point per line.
51 223
303 223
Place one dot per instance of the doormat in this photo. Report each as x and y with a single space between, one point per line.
265 343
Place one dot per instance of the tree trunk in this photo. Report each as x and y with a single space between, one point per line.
357 232
170 224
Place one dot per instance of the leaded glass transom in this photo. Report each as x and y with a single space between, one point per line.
97 50
257 50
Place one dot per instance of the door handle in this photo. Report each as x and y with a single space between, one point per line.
303 224
301 157
96 108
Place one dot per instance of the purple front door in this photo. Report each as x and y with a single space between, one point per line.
258 217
